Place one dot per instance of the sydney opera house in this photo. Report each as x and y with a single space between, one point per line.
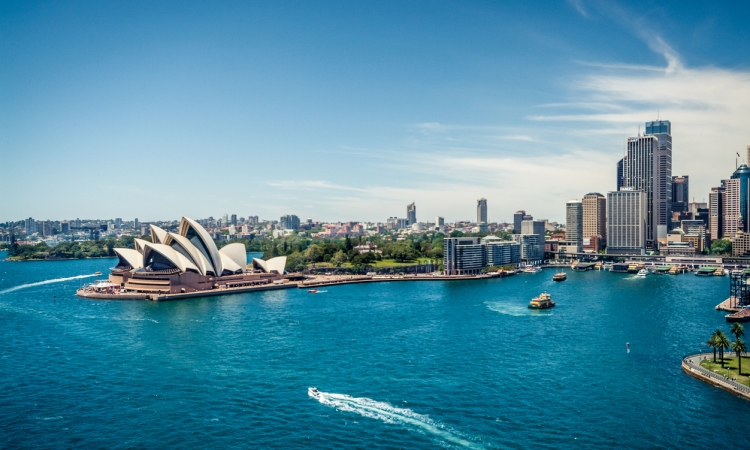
187 262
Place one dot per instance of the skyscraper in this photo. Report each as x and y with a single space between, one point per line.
481 210
135 224
620 172
517 219
662 198
716 212
574 224
411 214
439 221
234 219
680 194
594 206
646 167
732 220
626 222
743 175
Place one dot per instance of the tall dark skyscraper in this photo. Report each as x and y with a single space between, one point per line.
620 173
517 219
680 194
482 210
743 174
662 130
411 214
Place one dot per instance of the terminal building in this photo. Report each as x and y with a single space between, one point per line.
188 261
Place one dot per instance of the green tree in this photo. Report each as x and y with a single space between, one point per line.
713 343
721 247
723 344
339 258
737 330
738 346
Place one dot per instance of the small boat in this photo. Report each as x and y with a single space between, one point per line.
642 273
97 273
314 392
312 291
544 301
531 269
560 276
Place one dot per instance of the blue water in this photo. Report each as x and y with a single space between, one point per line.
460 364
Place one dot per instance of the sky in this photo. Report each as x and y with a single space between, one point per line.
345 110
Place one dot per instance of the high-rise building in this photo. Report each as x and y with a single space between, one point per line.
626 222
45 228
680 197
536 227
118 223
574 224
411 213
64 226
439 221
716 212
732 220
289 222
234 219
517 219
743 174
30 226
481 210
620 173
594 207
647 167
136 226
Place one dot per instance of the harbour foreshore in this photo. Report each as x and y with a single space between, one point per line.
183 296
691 366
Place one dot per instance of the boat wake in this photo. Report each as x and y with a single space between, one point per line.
515 310
390 414
41 283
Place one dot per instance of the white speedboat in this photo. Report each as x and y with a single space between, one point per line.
532 269
314 392
642 273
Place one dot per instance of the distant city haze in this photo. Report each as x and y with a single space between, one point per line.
350 111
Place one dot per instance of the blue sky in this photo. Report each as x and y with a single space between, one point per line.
351 110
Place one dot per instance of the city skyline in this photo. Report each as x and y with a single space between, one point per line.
429 116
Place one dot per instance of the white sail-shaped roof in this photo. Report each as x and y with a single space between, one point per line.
172 256
129 257
175 240
229 265
237 253
158 235
200 238
272 265
140 244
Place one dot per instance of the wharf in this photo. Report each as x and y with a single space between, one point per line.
323 280
186 295
726 305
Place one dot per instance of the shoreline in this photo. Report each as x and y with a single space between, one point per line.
695 370
184 296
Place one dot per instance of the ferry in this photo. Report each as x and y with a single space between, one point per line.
642 273
544 301
560 276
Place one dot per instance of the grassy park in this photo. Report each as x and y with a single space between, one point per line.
730 368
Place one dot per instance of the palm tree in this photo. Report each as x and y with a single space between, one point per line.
713 343
737 330
723 344
738 346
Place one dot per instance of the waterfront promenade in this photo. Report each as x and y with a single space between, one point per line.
691 366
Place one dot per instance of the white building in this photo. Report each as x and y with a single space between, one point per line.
626 222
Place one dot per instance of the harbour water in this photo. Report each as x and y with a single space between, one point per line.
462 364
